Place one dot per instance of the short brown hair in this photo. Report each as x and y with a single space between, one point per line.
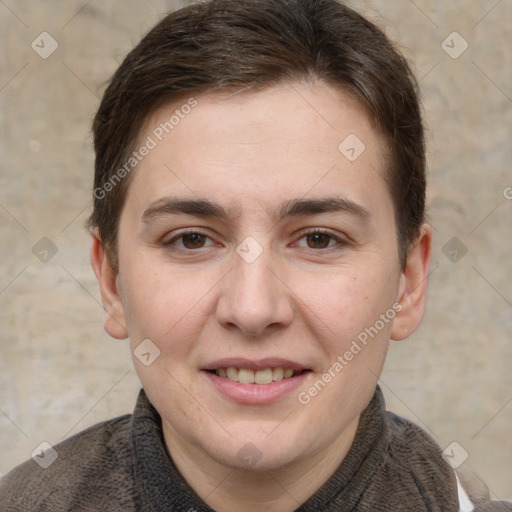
223 44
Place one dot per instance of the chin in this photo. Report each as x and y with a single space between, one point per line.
257 450
254 457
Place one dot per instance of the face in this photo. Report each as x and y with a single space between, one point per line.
253 247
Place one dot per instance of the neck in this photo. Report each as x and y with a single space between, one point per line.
283 489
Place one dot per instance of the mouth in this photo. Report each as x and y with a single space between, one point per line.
256 382
263 376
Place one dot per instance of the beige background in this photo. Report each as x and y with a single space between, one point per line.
59 372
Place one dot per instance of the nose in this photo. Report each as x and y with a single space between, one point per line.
254 298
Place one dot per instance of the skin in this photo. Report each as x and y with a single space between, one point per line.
304 298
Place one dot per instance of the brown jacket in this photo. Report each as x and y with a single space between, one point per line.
122 465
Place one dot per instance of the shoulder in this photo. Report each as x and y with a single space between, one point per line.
417 458
416 452
87 467
414 471
474 495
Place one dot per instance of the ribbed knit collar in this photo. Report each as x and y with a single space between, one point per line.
163 489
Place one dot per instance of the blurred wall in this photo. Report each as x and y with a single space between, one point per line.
59 372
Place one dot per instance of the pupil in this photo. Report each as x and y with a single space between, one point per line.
318 240
193 240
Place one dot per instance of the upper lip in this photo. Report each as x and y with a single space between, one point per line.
252 364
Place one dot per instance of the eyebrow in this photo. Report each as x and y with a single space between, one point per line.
304 207
197 207
293 208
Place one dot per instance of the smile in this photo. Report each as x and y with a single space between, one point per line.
249 376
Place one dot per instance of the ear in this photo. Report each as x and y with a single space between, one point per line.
413 286
114 320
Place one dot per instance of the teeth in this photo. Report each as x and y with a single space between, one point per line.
248 376
245 376
263 376
232 374
277 374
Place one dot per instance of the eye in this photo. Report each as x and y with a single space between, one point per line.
318 239
189 241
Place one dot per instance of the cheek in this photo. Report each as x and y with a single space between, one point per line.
166 303
342 306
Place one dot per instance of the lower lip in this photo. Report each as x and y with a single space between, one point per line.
256 393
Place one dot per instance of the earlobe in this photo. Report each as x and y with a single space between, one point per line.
114 320
413 286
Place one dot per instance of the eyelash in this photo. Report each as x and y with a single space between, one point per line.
183 234
340 242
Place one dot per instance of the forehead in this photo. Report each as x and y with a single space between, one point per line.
259 146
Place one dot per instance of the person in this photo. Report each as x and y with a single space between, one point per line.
259 234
